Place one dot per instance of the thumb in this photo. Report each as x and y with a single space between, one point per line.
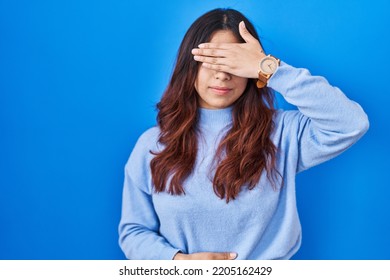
245 33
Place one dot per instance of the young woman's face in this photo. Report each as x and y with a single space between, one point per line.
217 90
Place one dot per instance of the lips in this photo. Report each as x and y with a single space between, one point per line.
220 90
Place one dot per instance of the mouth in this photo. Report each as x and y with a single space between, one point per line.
220 90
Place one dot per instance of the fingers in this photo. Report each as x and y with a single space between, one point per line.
224 256
214 59
221 46
221 256
231 256
207 256
217 61
248 38
217 67
239 59
209 52
211 58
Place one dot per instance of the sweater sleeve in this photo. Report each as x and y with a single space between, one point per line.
139 236
328 122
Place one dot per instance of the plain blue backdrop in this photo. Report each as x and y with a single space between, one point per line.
79 81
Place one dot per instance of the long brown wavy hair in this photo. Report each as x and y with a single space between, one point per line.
245 151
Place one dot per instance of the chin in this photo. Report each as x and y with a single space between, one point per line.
217 104
216 107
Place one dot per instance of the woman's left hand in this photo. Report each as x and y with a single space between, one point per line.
239 59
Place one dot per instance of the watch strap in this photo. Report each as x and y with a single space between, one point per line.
262 77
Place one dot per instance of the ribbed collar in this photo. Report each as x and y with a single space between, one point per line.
215 118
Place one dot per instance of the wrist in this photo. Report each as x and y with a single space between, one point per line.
267 67
256 62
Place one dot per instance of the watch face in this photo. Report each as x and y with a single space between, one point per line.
268 65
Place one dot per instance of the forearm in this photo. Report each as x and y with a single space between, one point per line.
139 225
326 106
328 122
139 243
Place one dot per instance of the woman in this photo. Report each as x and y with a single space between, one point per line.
215 179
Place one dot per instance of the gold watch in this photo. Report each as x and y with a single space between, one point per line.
267 68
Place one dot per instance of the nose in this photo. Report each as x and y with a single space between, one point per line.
223 76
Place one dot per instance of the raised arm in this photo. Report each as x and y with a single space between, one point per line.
329 122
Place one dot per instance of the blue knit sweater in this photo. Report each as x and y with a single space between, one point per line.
261 223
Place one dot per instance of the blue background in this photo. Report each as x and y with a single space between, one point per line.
79 81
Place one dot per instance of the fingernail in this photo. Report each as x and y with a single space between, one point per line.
233 256
242 23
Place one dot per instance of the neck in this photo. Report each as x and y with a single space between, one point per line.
215 118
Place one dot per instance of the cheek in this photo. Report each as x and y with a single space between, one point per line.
198 80
196 85
241 85
202 78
